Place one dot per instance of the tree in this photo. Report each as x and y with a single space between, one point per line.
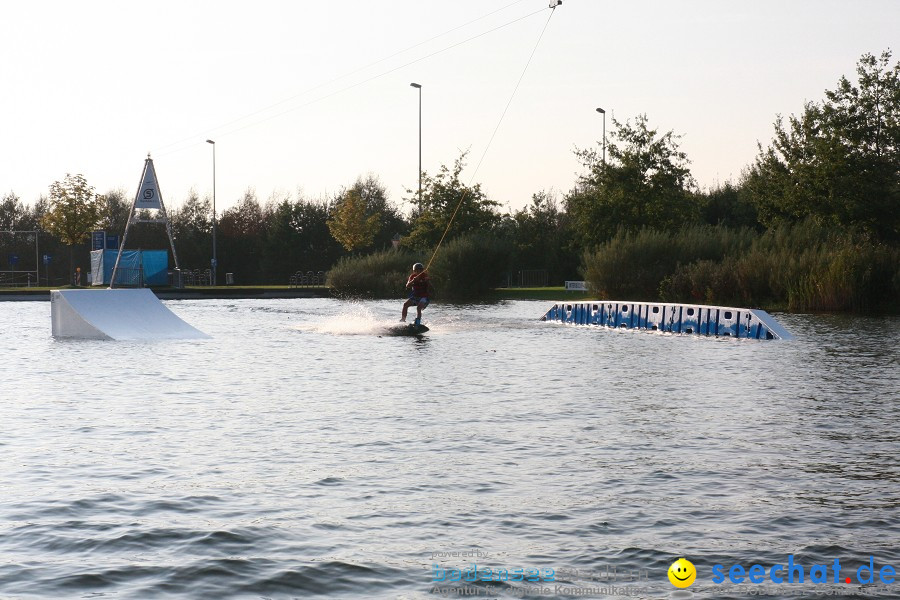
244 219
838 162
727 204
391 221
241 232
316 249
281 248
73 213
192 229
542 238
645 183
351 223
114 211
296 238
441 195
14 215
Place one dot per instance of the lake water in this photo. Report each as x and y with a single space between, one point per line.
297 453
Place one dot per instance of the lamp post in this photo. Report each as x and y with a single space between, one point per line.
603 112
419 87
213 263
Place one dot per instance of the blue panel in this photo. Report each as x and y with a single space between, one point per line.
130 260
654 317
639 316
726 324
708 319
623 320
610 314
596 314
665 320
690 321
156 267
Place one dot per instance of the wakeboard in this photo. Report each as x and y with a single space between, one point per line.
406 329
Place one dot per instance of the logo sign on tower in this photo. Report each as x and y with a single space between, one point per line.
148 193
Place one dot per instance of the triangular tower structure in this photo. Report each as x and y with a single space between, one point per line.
148 197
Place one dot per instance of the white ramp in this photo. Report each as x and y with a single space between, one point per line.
120 314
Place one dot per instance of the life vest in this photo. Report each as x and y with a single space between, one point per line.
420 285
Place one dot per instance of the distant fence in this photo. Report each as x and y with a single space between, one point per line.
302 279
129 277
195 277
18 278
527 278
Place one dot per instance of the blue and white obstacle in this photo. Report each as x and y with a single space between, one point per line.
686 319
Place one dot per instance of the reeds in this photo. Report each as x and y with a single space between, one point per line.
470 266
802 266
379 275
465 268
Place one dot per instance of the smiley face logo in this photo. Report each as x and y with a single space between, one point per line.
682 573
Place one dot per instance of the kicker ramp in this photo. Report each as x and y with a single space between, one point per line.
687 319
118 314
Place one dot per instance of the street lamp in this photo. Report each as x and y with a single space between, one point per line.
603 112
419 87
213 263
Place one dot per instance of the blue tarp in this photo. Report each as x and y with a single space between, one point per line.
155 264
156 267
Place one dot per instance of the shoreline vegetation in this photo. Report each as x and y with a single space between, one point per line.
555 294
813 224
802 267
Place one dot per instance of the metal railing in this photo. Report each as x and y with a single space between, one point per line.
308 278
18 278
196 277
129 277
527 278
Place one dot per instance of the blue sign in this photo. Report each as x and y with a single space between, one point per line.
98 240
47 258
112 242
13 259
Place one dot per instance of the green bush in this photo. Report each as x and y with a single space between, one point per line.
470 266
803 266
701 282
465 268
378 275
633 265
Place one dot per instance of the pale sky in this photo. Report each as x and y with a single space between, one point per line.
311 95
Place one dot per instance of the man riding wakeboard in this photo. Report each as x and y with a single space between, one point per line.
420 290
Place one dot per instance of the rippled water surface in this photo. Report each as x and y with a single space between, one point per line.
300 453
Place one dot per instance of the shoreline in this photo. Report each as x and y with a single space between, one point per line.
549 294
189 293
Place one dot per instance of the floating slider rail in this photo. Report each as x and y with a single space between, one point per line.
686 319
